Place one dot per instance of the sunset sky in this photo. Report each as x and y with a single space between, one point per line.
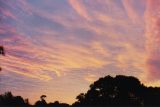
59 47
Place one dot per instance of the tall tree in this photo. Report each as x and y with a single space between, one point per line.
119 91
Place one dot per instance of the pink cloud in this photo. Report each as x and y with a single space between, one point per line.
132 14
153 38
80 8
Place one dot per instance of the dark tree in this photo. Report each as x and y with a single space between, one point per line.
151 96
107 91
42 102
2 52
58 104
119 91
7 100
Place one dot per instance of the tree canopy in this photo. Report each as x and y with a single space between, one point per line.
119 91
107 91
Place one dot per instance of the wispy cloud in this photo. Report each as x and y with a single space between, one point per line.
153 40
90 78
80 8
132 14
74 41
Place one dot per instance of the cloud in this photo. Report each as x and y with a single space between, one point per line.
58 42
79 8
45 47
153 39
90 78
132 14
7 14
29 59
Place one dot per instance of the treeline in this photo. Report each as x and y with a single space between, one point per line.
8 100
107 91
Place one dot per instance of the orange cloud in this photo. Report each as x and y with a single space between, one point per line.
131 57
90 78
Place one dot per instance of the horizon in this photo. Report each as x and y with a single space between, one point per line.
59 47
123 77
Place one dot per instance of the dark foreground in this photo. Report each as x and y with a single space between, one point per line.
121 91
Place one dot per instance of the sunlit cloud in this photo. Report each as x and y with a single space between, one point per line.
90 78
80 8
65 42
153 40
132 14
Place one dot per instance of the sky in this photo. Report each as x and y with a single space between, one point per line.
59 47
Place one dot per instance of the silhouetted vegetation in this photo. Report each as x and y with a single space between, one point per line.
107 91
8 100
2 53
119 91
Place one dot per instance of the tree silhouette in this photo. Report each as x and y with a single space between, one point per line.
58 104
1 53
151 96
41 102
107 91
119 91
7 100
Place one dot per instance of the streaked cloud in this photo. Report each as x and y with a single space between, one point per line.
132 14
90 78
153 40
80 8
51 44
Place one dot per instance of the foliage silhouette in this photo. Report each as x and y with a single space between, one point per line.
7 99
42 102
107 91
58 104
119 91
2 52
